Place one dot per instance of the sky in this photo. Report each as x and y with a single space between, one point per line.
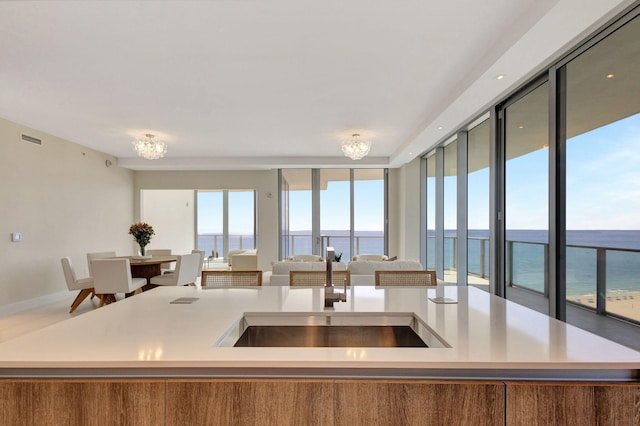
334 209
603 184
603 192
240 212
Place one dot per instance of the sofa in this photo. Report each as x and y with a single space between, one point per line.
237 252
306 258
280 270
374 257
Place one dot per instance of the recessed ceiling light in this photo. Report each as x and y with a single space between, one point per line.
500 76
521 127
440 127
610 75
410 153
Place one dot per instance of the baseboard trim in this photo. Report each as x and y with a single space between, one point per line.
14 308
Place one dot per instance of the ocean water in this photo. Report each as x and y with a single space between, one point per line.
211 242
621 249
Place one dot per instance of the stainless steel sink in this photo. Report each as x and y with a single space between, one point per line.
332 329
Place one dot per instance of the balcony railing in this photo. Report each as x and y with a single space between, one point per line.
303 244
298 244
214 242
605 279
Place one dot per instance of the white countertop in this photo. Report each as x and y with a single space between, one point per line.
145 335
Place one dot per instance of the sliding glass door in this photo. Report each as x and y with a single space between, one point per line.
210 223
603 203
226 220
335 211
431 211
450 241
368 211
478 186
342 208
527 199
296 218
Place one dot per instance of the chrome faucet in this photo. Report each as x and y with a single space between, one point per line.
330 296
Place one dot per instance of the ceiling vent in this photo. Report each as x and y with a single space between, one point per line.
30 139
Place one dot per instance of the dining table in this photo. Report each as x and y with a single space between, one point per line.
148 267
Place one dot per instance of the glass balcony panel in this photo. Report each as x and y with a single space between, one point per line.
623 284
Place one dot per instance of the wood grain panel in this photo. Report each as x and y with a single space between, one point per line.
245 402
419 403
534 404
79 402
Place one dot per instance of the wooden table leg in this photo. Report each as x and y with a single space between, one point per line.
147 272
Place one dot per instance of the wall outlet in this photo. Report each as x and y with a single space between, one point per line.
16 237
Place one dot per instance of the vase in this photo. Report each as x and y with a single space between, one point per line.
143 251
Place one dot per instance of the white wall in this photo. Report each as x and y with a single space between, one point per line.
407 189
65 202
264 182
394 212
172 215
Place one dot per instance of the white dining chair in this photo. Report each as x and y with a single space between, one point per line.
85 285
165 267
113 276
201 264
186 272
98 255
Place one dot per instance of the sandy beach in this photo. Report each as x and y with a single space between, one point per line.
619 302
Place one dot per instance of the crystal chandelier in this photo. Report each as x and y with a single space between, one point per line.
150 148
356 148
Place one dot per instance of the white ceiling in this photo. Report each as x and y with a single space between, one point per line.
265 83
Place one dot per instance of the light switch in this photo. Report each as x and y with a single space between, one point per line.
16 237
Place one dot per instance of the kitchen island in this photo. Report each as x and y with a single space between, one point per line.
496 356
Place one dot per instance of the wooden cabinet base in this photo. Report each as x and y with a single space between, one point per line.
315 402
541 404
336 402
80 402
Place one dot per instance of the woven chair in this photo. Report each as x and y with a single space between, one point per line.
318 278
405 278
216 278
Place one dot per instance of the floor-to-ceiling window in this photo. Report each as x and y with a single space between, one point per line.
342 208
526 195
296 219
478 185
283 211
242 221
335 211
603 175
431 211
368 211
450 212
553 174
225 221
210 225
